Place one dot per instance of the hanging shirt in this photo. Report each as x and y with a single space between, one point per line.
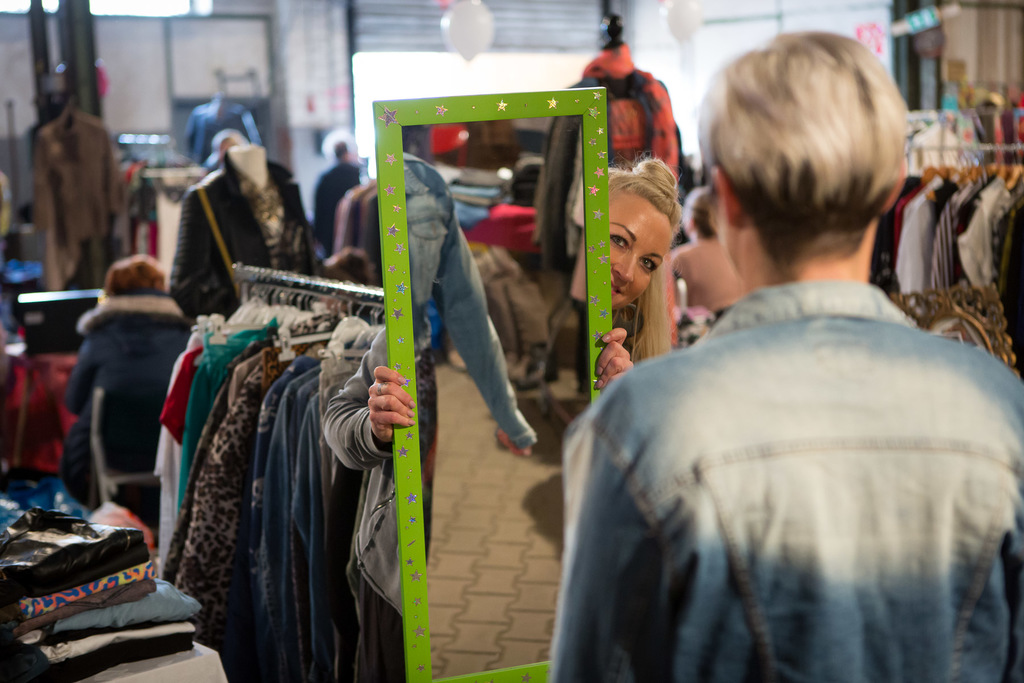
975 244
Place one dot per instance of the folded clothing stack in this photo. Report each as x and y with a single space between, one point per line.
77 598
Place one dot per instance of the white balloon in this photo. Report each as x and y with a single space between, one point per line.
684 17
468 28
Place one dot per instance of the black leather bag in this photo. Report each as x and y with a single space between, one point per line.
46 548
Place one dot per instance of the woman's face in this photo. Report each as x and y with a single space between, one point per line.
640 238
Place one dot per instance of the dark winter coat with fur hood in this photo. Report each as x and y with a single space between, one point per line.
131 344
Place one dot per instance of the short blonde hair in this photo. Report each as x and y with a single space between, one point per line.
650 179
809 131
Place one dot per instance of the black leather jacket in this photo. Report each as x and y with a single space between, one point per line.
200 282
46 551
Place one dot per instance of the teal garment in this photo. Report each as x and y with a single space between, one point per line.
210 375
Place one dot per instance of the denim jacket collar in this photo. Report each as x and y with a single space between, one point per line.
796 300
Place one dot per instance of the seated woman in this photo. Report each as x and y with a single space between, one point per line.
711 279
132 339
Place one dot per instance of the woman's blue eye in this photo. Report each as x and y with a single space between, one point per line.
648 264
618 240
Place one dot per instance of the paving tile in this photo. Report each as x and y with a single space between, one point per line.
542 546
512 531
477 518
442 622
538 597
484 497
503 556
542 570
530 626
461 663
491 609
476 637
466 540
447 592
496 582
449 565
519 653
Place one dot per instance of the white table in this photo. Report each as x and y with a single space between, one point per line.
199 665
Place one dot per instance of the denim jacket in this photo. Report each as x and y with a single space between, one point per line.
443 268
815 492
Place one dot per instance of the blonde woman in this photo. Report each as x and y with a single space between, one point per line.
644 213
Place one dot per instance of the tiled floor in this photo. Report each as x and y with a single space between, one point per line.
495 555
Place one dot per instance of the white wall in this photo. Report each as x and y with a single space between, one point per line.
990 42
731 28
410 75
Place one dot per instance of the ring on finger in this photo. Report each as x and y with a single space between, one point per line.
380 388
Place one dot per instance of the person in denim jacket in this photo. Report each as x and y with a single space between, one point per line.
358 423
816 491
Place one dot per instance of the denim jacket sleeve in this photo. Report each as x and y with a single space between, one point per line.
614 609
347 419
459 294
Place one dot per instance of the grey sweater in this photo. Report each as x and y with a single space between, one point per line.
347 430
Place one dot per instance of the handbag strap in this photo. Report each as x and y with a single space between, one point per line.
216 234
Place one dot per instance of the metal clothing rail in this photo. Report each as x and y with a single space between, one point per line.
347 291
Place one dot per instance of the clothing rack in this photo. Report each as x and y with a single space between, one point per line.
283 280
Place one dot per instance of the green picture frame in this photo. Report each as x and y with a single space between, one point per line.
389 118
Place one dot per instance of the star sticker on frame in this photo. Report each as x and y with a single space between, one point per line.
399 248
599 172
408 563
420 632
593 190
421 668
597 336
602 155
603 259
417 601
401 340
598 215
393 230
412 520
595 300
591 142
400 288
502 105
597 96
600 131
552 103
411 498
601 244
593 112
392 269
390 159
603 313
398 315
590 249
441 111
389 190
408 435
526 678
416 576
389 117
402 452
405 384
397 208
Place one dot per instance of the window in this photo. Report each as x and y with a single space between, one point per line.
150 8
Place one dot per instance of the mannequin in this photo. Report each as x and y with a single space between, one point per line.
251 161
256 208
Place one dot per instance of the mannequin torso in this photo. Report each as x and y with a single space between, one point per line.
251 161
